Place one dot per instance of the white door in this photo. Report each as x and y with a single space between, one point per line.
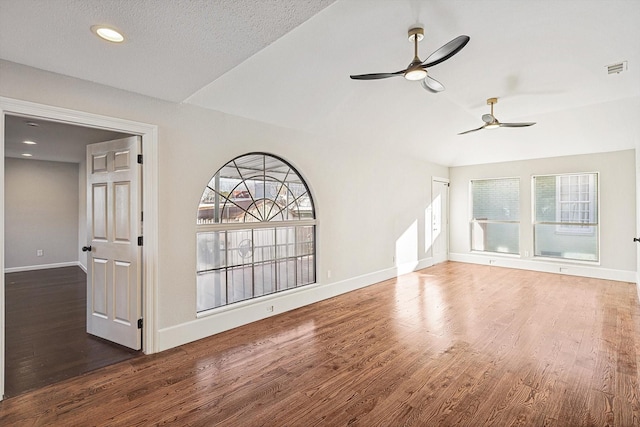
114 300
440 220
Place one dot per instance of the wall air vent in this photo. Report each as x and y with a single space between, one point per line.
617 68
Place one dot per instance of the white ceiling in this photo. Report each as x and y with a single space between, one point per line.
55 141
287 62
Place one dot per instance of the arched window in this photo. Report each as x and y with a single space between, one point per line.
255 232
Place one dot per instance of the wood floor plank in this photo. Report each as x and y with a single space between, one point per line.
46 339
454 344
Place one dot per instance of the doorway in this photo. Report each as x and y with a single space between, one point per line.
22 110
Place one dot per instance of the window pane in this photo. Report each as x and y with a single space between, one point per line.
305 270
495 237
211 251
566 198
211 290
564 204
240 283
304 240
574 244
264 244
286 271
496 199
285 241
255 188
239 247
495 226
264 275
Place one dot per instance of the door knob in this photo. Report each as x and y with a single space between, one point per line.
86 249
636 239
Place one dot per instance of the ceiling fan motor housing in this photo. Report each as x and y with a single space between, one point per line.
416 32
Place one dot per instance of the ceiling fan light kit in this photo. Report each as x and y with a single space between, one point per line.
417 69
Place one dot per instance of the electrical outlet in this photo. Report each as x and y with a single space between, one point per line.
328 274
526 253
269 308
39 252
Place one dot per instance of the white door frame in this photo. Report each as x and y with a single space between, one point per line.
434 180
149 134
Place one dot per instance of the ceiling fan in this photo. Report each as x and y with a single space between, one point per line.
490 121
417 69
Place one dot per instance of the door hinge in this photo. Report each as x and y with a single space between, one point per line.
139 323
139 158
139 240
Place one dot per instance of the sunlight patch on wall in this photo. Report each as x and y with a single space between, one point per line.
407 249
428 229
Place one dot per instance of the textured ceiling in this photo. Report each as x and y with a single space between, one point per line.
287 62
172 47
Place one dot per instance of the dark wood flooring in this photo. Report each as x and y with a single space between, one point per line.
452 345
46 339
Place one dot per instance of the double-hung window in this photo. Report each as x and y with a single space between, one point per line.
495 221
566 216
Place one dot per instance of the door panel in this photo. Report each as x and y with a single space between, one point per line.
99 282
99 211
122 212
113 215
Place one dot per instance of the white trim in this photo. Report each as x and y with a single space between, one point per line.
149 134
217 321
440 180
44 267
546 267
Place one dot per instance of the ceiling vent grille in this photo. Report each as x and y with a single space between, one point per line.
617 68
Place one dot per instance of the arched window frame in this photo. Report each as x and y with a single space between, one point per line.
263 225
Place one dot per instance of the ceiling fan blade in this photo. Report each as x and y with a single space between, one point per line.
432 85
446 51
377 76
472 130
517 125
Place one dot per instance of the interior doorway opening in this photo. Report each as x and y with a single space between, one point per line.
22 110
45 281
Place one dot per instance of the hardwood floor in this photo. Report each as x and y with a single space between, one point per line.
454 344
46 339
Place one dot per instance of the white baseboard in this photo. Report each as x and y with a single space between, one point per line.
44 267
546 266
239 314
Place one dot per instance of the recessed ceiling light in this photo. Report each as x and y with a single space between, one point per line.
29 142
27 155
108 34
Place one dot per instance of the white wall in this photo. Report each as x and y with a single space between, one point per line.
617 211
366 200
41 212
